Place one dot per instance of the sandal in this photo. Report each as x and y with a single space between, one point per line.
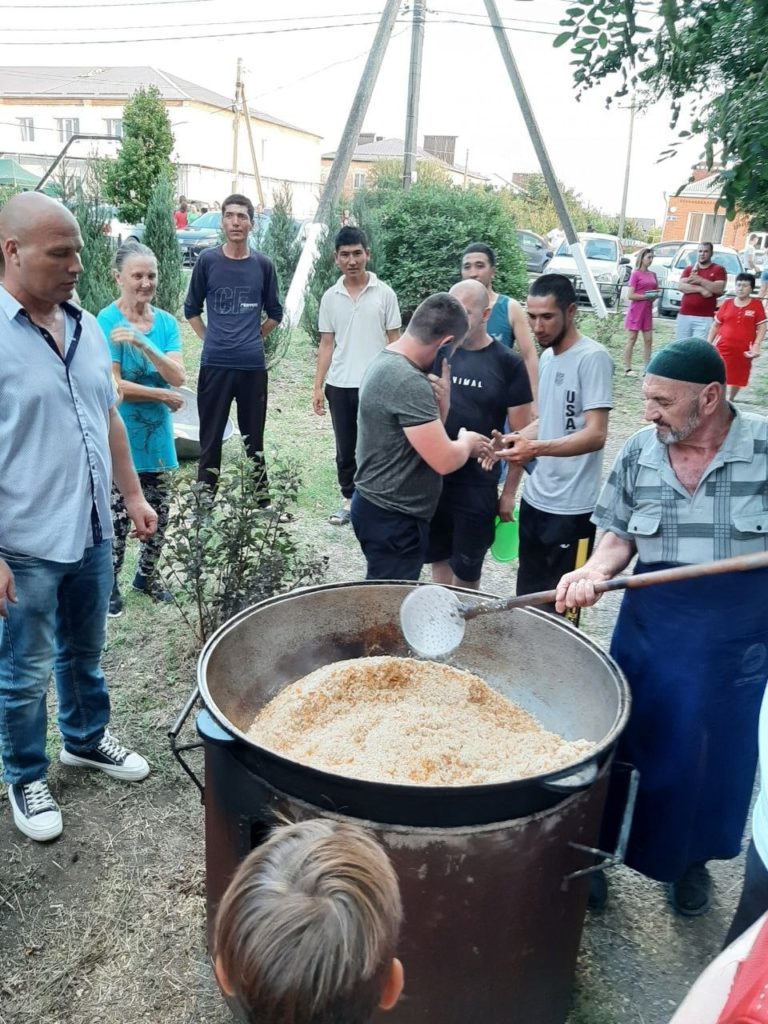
630 373
340 518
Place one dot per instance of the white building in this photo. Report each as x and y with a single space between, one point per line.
41 108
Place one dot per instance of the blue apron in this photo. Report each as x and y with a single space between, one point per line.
696 659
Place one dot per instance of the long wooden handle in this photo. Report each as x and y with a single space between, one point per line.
741 563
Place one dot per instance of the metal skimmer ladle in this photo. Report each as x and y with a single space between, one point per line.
433 618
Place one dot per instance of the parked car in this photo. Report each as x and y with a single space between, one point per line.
536 250
117 229
205 232
686 255
606 260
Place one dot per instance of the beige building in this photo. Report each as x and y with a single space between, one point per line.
41 108
371 150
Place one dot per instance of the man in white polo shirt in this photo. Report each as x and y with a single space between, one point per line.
358 317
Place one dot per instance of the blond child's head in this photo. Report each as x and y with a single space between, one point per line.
307 930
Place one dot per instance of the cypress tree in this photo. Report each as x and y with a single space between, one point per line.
96 286
281 242
160 236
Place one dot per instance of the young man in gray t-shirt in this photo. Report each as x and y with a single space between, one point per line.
566 442
402 447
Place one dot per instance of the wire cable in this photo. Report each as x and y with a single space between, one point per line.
104 7
197 24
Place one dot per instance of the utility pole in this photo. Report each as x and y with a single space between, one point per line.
249 131
294 300
623 214
414 90
236 124
545 163
335 183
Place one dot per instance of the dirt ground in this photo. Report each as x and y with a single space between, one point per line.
107 923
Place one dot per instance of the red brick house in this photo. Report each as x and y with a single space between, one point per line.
694 214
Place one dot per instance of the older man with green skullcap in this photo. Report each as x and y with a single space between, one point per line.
690 488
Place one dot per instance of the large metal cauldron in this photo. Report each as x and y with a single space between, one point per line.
493 916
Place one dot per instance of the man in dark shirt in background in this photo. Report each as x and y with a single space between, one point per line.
238 287
488 384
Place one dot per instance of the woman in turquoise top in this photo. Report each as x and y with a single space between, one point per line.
147 363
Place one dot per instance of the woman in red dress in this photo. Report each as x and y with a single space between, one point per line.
737 333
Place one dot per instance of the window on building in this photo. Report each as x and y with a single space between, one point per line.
705 227
26 128
113 126
67 126
358 179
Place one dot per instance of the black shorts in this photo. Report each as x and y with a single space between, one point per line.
394 544
463 528
550 546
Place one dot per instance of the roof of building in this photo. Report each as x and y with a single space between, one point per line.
710 187
118 83
393 149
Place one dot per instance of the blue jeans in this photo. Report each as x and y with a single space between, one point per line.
58 623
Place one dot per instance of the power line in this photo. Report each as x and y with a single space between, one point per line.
197 24
187 38
320 71
484 18
488 24
107 7
240 34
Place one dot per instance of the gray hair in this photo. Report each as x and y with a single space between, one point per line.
130 249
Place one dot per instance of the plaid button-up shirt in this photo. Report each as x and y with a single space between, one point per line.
643 501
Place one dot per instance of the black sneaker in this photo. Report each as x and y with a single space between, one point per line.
151 589
35 812
691 895
110 757
115 602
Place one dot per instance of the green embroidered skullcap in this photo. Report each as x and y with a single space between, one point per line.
693 360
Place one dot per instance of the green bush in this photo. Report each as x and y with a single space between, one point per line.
424 232
281 243
160 236
96 286
324 274
223 553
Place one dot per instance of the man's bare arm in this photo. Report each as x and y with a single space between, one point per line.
577 589
198 326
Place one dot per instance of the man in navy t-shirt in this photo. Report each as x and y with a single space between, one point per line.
488 384
238 287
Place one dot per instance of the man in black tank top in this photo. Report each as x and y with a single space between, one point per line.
488 383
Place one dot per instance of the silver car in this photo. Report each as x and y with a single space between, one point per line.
605 258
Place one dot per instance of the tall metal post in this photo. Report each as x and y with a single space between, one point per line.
294 300
545 163
625 193
357 112
414 91
236 125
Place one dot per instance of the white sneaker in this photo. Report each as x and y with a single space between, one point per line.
35 812
110 757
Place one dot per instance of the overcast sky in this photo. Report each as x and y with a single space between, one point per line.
303 60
